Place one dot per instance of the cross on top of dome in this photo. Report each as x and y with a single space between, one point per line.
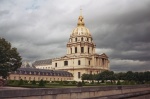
80 19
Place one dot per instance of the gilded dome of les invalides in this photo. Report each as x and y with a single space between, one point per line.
81 30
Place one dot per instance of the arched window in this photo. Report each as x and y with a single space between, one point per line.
79 62
87 39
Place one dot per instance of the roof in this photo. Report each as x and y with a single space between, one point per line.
44 72
43 62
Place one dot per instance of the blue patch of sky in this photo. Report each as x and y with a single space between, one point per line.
34 5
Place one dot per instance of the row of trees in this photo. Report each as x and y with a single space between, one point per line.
138 77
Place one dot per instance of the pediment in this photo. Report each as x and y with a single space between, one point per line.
65 57
104 55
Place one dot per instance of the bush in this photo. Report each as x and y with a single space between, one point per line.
132 82
74 82
65 82
21 82
102 81
61 82
83 83
41 83
79 84
33 82
118 82
98 82
92 82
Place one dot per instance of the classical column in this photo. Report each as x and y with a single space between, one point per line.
98 61
78 49
85 49
93 60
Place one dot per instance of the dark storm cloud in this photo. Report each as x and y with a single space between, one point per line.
41 29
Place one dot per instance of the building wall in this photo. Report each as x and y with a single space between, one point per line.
38 77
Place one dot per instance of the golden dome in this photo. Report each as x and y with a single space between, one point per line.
81 29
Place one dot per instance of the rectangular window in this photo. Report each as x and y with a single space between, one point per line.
55 64
79 62
88 49
65 63
82 49
89 62
79 75
75 49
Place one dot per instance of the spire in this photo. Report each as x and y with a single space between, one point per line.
80 12
80 19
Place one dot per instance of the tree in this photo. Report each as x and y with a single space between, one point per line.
106 75
10 59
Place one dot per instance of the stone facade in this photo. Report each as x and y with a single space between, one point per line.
31 74
81 56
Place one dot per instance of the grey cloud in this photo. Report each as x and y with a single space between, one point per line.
41 29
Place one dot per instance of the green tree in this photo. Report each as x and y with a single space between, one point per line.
106 75
10 59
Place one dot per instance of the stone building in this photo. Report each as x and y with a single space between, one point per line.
31 74
81 56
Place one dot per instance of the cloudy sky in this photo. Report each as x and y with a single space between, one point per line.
40 29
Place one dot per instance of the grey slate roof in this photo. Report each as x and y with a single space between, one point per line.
42 62
44 72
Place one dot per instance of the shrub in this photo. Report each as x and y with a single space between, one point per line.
61 82
79 84
92 82
21 82
74 82
41 83
65 82
33 82
83 83
102 81
118 82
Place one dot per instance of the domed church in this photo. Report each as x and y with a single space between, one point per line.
81 56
